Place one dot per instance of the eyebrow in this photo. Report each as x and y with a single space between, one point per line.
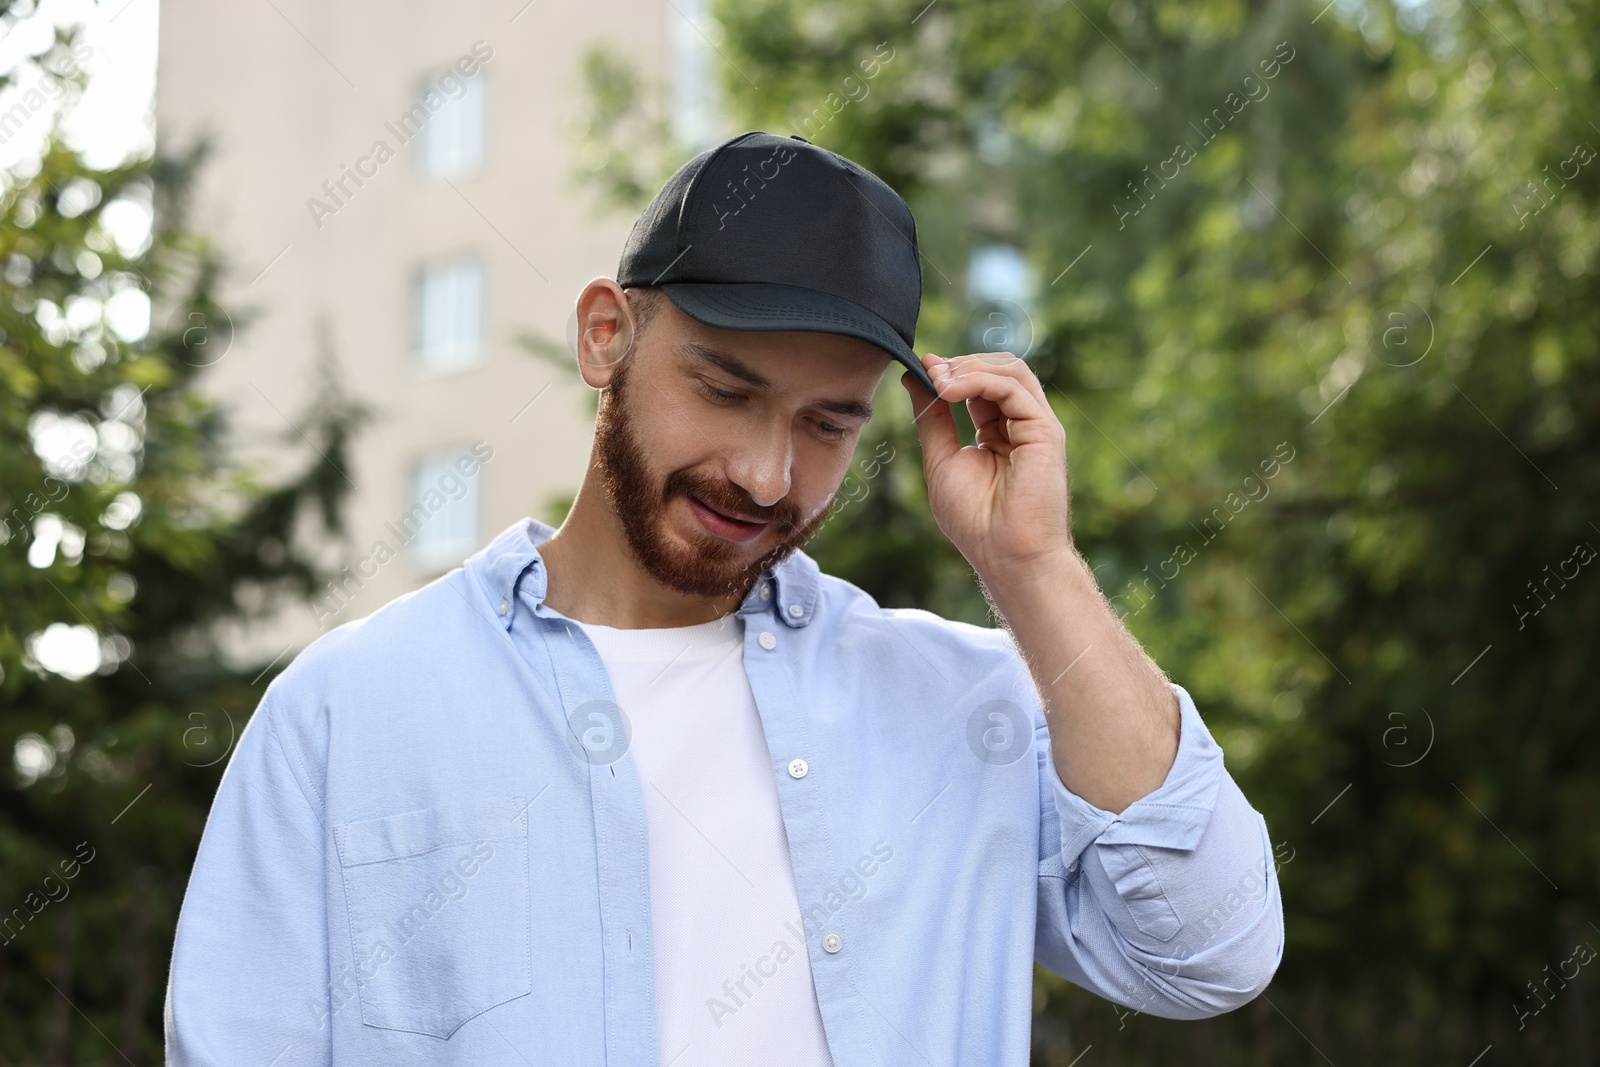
859 409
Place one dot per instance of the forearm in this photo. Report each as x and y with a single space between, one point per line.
1112 715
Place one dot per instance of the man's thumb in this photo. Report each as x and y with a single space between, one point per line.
936 426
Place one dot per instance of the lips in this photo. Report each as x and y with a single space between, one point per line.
720 524
732 516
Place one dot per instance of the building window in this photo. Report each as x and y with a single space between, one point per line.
441 529
452 142
449 315
1001 288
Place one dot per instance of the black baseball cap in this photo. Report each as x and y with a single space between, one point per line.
775 233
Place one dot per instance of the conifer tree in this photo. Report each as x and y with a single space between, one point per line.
126 538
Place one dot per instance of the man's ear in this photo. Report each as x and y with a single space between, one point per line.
605 331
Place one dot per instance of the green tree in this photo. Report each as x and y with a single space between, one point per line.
126 537
1317 304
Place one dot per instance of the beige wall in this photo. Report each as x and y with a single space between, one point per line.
290 105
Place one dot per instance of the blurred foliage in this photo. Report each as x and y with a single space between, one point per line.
126 538
625 144
1316 300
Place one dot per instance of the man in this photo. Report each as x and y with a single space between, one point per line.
652 789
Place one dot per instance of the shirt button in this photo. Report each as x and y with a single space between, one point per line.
766 590
767 641
505 606
795 611
832 943
797 768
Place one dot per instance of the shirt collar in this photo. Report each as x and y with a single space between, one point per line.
790 588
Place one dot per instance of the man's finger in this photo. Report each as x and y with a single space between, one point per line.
1001 363
935 423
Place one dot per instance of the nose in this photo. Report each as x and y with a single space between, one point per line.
760 465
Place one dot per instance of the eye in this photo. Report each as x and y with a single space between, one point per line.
831 432
717 395
828 430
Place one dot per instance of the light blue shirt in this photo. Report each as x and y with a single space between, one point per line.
429 846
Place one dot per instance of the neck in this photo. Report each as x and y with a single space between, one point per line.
593 576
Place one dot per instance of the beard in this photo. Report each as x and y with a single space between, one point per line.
709 567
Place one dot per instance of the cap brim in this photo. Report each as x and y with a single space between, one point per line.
766 306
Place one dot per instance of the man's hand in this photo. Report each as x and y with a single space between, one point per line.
1004 501
1004 504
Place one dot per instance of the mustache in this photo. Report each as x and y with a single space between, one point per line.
783 514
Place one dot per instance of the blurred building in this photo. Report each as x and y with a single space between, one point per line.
398 187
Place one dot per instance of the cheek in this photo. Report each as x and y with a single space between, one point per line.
822 478
664 436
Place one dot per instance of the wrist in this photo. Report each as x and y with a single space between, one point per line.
1047 579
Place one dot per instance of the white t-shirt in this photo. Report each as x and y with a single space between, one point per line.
732 978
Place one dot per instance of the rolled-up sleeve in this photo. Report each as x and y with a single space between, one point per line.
1171 907
249 976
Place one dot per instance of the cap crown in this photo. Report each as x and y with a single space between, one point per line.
763 208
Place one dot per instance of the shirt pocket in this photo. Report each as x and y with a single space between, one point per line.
438 908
